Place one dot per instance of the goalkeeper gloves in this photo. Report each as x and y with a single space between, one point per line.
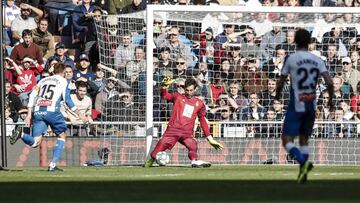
214 143
166 82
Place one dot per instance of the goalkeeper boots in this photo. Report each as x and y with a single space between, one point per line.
16 134
55 169
200 164
149 163
304 170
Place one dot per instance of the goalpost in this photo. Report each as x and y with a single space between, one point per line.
130 132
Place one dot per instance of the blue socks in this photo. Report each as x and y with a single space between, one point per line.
305 151
29 140
295 152
59 148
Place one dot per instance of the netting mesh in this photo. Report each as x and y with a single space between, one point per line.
236 59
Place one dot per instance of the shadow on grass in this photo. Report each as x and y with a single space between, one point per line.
181 191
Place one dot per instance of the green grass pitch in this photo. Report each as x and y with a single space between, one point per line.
261 183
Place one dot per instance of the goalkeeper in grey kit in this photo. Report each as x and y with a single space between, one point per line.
181 125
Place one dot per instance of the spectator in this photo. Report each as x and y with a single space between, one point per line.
84 69
349 74
355 99
12 101
236 60
177 48
82 102
116 6
275 64
271 129
166 64
235 94
270 40
254 80
268 94
80 31
314 48
279 109
289 45
338 93
27 48
43 38
104 95
226 70
332 58
12 11
9 121
348 114
89 20
158 104
355 60
255 112
324 108
135 6
69 75
134 67
204 74
249 44
222 103
99 79
181 68
341 40
26 78
207 45
261 22
25 21
23 112
9 70
125 51
324 25
57 11
61 56
121 107
339 129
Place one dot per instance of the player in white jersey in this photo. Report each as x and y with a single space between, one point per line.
304 69
45 99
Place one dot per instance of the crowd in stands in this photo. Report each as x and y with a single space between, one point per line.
236 65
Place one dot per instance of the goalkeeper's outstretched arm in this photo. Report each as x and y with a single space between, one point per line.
205 127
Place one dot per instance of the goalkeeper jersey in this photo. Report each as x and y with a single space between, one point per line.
185 110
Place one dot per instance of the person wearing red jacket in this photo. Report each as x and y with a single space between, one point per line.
26 77
187 108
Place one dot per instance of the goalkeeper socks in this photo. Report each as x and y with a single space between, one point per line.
295 152
29 140
59 148
305 151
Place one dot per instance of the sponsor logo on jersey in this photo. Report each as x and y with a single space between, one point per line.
307 97
44 103
40 113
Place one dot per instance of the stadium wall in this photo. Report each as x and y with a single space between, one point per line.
79 150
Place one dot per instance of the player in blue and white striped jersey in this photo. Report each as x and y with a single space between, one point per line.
45 99
304 69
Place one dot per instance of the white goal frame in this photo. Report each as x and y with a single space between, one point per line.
165 8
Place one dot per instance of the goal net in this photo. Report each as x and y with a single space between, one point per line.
236 55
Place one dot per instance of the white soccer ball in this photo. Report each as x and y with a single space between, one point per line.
162 158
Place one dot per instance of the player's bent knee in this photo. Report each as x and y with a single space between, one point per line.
37 142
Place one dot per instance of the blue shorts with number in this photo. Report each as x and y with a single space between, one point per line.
299 123
44 118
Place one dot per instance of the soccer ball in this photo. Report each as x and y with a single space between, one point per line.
162 158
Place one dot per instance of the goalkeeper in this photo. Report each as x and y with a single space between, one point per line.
182 121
